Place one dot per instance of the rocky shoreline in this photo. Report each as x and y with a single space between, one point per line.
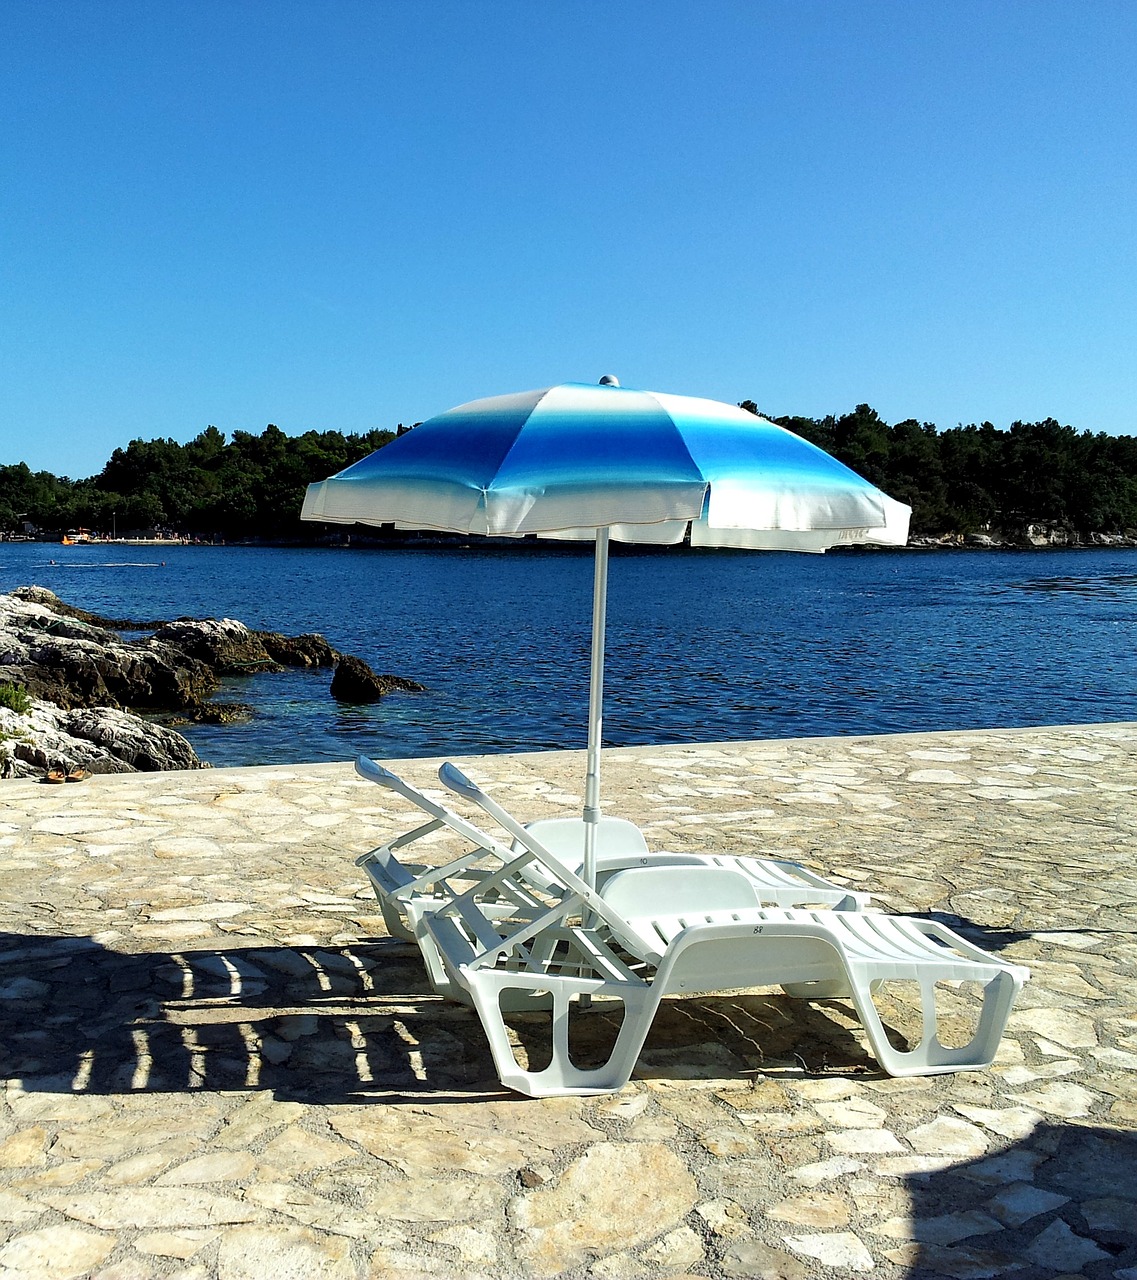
76 692
1040 536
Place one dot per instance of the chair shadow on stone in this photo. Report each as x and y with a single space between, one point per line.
314 1024
341 1024
1061 1200
992 938
727 1038
985 936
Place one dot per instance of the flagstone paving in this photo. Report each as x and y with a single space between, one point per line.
218 1065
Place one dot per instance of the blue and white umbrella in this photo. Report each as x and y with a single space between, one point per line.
600 462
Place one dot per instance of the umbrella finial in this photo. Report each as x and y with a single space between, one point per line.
609 380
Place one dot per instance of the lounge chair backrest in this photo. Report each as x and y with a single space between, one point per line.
652 891
564 837
547 870
565 879
385 778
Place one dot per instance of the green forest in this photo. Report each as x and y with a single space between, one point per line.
960 480
247 487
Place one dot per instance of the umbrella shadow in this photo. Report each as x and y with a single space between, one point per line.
341 1024
1059 1200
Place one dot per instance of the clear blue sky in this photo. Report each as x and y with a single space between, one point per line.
353 213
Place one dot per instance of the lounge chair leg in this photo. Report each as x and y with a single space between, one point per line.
440 980
394 921
930 1057
561 1076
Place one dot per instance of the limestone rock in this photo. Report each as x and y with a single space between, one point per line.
216 1166
47 597
853 1113
17 1208
947 1228
297 1151
1009 1122
1071 1030
751 1260
224 644
1090 1163
286 1253
1059 1246
435 1199
25 1149
1061 1098
726 1219
1020 1202
73 663
948 1137
851 1142
141 744
680 1248
70 660
503 1138
154 1207
840 1249
174 1244
615 1196
478 1246
55 1253
21 987
821 1209
98 739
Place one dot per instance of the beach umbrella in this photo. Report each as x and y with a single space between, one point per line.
605 462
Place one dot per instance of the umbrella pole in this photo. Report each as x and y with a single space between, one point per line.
595 706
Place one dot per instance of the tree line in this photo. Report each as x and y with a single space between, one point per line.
250 486
959 480
970 478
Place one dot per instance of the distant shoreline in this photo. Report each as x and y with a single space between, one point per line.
1047 540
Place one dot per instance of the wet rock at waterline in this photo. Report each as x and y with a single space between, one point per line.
45 596
69 661
308 650
228 647
354 681
232 649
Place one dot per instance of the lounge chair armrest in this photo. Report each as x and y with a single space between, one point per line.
455 780
373 772
970 950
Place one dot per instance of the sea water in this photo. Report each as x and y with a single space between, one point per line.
702 646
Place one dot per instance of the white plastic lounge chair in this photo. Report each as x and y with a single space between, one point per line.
621 847
581 944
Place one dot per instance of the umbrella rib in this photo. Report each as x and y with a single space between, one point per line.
488 485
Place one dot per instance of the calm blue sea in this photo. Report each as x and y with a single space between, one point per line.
702 646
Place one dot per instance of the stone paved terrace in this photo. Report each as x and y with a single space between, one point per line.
217 1064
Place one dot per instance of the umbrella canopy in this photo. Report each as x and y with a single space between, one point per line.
601 462
567 460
